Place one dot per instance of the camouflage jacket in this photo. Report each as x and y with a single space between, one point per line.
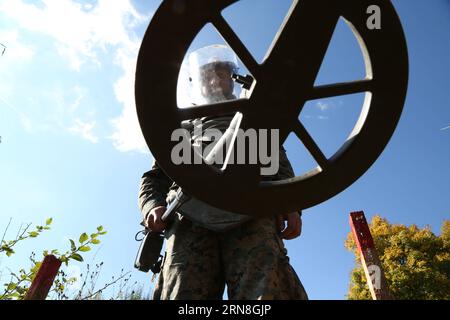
157 189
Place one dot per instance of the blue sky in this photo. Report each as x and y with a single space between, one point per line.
71 147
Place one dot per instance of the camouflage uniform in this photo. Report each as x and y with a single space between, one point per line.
208 247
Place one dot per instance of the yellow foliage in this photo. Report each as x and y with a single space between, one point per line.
415 261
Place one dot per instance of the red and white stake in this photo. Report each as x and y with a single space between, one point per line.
369 257
44 279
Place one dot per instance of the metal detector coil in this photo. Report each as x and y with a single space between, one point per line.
284 82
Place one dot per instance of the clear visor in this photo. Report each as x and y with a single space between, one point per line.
209 76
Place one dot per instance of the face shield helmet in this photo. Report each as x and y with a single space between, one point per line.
210 74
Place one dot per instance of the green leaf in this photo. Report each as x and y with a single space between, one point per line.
85 248
73 247
38 264
72 280
33 234
104 232
64 260
83 238
94 235
100 228
95 241
14 295
77 257
35 269
49 221
12 286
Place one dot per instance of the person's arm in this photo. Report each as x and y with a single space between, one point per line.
153 191
285 170
293 229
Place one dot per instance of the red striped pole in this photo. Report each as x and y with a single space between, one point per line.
44 279
369 257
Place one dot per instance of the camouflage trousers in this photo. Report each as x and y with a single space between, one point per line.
250 259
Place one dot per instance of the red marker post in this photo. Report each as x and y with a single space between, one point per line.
369 257
44 279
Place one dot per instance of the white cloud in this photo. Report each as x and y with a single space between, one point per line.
24 119
52 110
128 135
17 54
84 129
85 33
322 106
78 32
316 117
80 94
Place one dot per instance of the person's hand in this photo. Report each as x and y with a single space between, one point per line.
293 229
154 222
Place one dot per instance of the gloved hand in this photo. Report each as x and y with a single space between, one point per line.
153 220
293 229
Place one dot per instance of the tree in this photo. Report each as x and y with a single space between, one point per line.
415 261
